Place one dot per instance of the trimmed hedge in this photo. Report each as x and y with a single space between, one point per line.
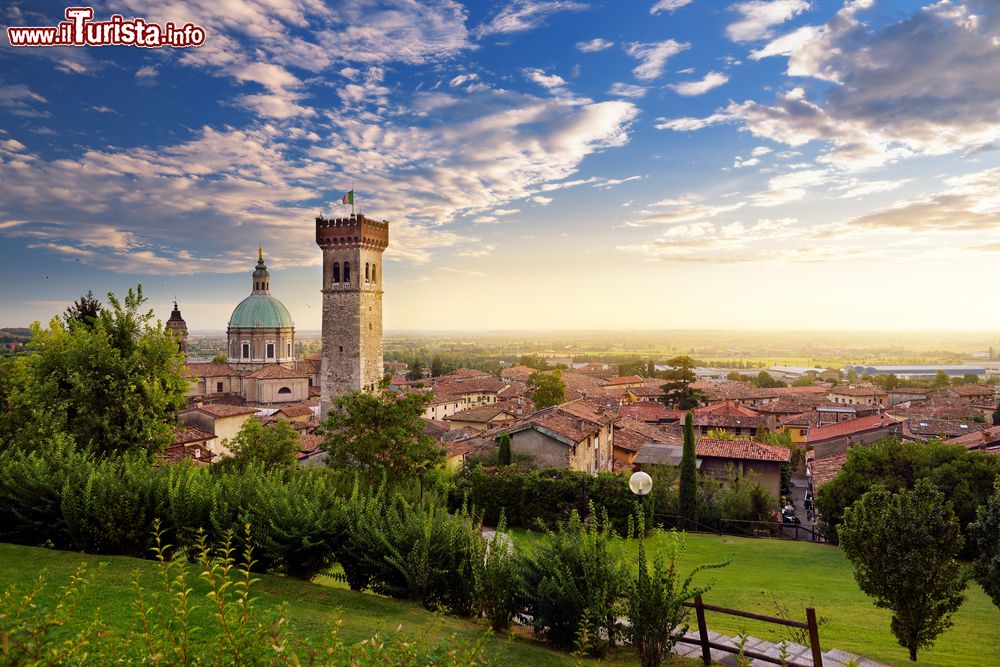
545 498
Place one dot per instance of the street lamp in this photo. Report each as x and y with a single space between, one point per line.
640 483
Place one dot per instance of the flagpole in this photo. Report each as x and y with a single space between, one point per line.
354 196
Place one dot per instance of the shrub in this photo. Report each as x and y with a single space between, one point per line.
111 507
495 490
655 602
31 492
361 551
429 556
575 577
499 579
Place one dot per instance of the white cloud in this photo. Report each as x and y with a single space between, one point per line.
707 83
524 15
548 81
653 57
759 17
786 44
668 6
854 188
594 45
626 90
911 88
146 72
542 201
19 100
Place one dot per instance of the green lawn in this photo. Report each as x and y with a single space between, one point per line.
312 608
800 575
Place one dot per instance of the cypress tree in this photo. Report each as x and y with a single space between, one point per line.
689 473
503 455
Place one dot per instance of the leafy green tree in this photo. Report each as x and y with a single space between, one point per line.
688 494
111 387
941 380
970 378
966 478
804 381
734 376
985 537
503 453
678 388
650 369
273 447
416 371
84 310
903 546
765 380
534 361
887 382
548 389
380 434
437 366
220 357
635 367
852 376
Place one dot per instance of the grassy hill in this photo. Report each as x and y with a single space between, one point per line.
312 608
796 574
802 574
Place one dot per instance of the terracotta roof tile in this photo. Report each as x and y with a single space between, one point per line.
625 379
208 370
849 427
745 450
295 410
223 410
826 468
188 434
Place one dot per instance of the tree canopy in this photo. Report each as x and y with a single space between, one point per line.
380 434
548 389
985 537
677 390
273 447
966 478
903 546
109 386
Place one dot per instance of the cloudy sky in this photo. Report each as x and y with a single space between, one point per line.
545 164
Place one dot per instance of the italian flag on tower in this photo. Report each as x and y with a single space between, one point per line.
348 198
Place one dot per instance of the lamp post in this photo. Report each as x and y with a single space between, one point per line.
640 483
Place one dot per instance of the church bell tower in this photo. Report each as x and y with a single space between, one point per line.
352 304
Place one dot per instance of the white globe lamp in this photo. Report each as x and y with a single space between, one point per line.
640 483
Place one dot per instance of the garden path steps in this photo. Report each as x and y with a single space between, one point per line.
800 655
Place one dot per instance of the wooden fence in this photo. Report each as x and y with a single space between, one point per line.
775 529
707 645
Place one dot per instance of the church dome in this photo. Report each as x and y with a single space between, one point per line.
260 311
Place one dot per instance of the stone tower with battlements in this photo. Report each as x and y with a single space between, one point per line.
352 304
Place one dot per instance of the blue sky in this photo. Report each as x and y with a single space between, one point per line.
787 164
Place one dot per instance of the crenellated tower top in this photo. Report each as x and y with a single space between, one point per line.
355 231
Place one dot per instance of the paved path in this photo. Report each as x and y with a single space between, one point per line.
800 655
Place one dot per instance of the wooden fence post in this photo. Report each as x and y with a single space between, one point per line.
814 637
706 651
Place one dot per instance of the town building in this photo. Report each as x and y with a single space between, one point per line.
352 304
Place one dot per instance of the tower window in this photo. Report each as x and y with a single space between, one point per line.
270 350
373 274
347 272
367 274
341 350
218 387
246 350
289 355
336 272
284 390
